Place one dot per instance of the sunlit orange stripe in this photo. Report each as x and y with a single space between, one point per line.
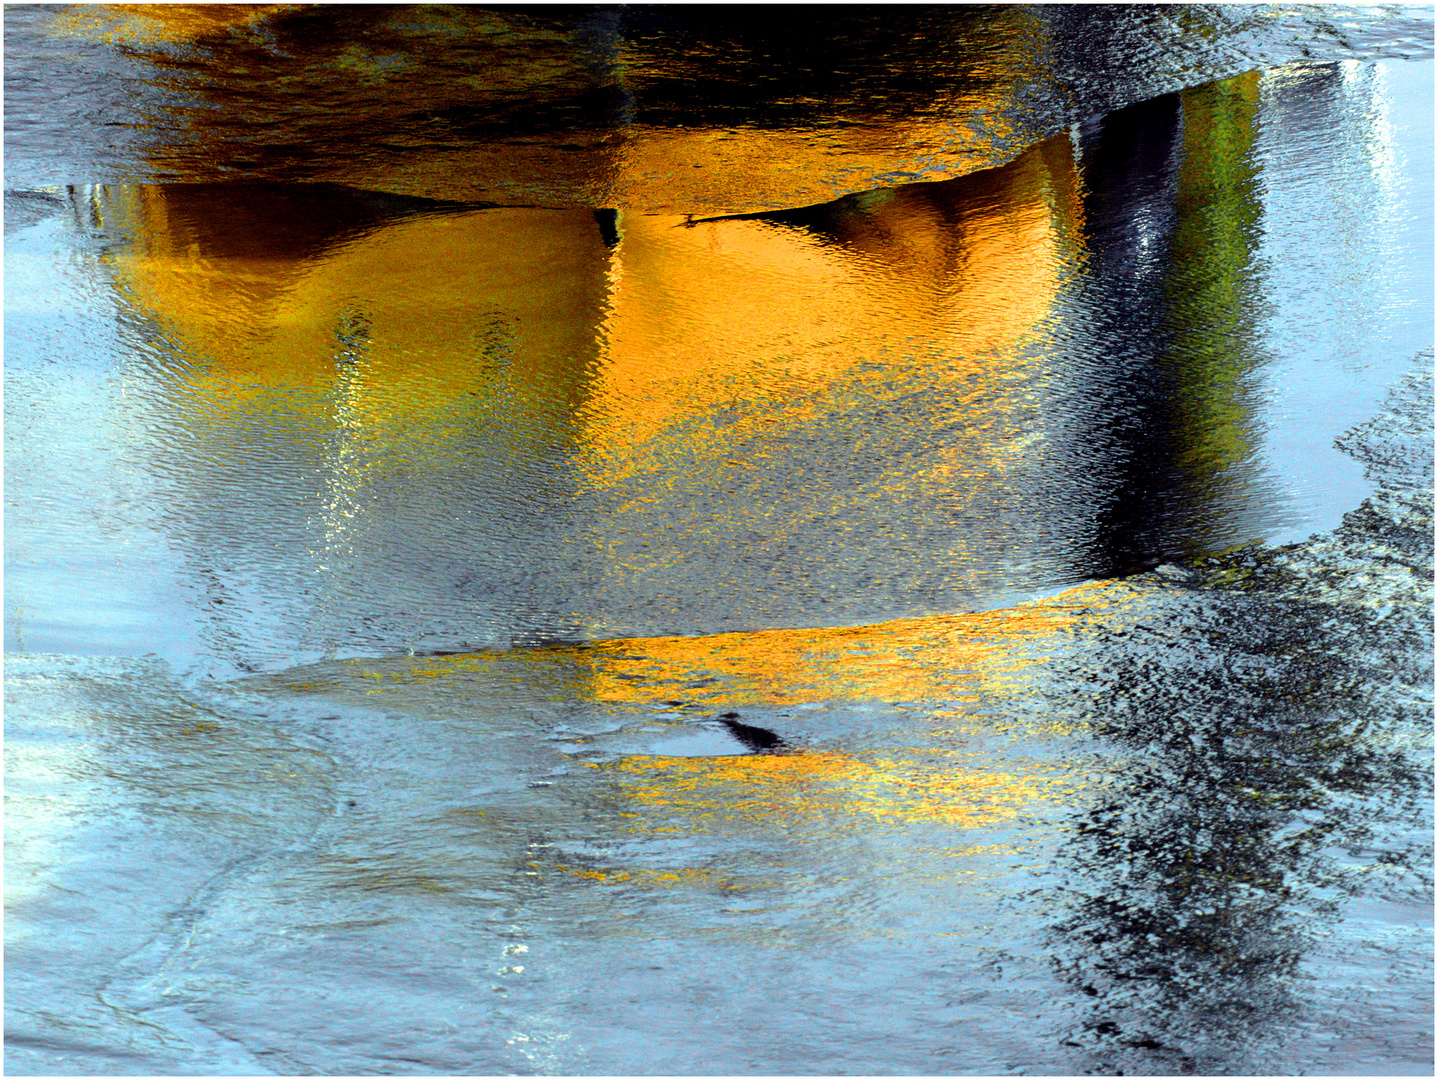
941 657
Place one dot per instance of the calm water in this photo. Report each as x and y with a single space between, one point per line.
611 543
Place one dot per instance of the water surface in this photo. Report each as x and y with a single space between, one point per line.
604 542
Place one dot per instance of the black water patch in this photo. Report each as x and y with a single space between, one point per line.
608 222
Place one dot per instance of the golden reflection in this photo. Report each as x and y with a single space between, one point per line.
945 658
939 668
161 24
763 315
819 788
397 344
700 318
659 359
433 293
735 348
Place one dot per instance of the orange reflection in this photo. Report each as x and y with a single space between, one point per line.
936 663
936 658
662 362
811 788
701 317
270 314
419 323
732 344
761 314
690 318
160 24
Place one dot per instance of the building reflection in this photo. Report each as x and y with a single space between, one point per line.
610 391
265 286
555 423
1172 209
782 306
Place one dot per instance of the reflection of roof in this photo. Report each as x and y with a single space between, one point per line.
677 111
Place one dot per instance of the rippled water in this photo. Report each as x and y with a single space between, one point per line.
366 424
527 551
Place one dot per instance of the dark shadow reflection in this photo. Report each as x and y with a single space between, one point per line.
684 109
664 108
1260 774
1130 164
1171 210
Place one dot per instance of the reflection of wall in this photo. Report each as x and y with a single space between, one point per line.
613 376
754 314
272 300
261 290
786 400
